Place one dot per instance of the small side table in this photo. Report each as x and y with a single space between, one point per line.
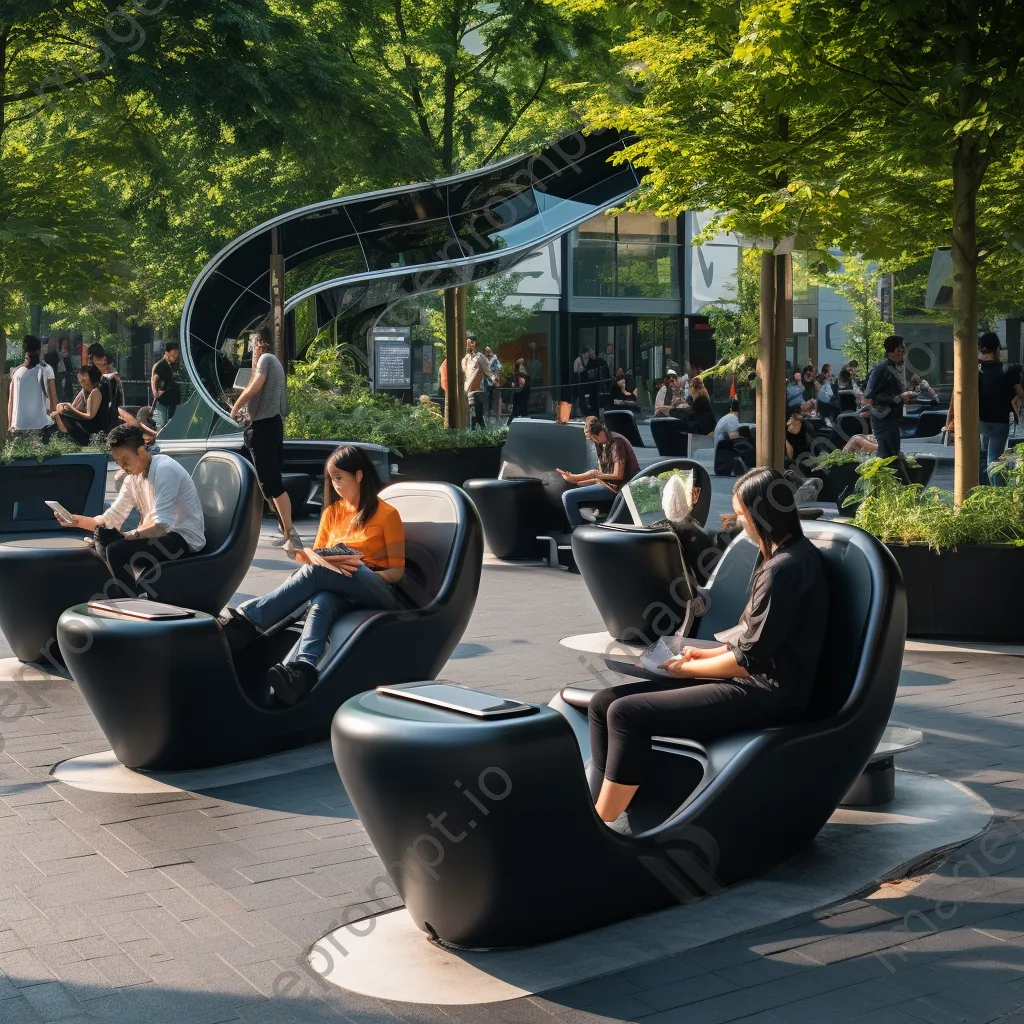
877 783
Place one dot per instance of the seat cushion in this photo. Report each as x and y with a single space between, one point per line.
578 696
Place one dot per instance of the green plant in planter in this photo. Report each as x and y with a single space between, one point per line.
59 444
327 400
1010 466
910 514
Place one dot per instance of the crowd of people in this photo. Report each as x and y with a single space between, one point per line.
42 402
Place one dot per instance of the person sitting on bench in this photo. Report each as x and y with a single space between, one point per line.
88 413
616 465
760 676
172 525
357 557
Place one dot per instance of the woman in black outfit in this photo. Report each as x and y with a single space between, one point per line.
701 417
760 676
520 396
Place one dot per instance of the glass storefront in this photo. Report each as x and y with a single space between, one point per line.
631 255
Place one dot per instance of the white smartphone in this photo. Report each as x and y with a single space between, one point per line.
63 515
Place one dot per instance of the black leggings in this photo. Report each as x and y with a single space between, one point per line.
623 719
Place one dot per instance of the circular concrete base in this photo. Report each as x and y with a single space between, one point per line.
14 671
103 773
855 851
963 647
602 644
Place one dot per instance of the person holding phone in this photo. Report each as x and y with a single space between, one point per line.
761 674
172 525
616 465
331 581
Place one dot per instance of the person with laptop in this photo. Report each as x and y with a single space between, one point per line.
172 524
356 560
760 674
616 465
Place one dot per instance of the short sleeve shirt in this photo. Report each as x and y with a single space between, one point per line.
619 450
372 538
164 373
996 388
727 425
271 399
31 388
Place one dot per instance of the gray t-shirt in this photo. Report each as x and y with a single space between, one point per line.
272 400
726 425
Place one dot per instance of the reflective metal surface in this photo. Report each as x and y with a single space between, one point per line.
361 254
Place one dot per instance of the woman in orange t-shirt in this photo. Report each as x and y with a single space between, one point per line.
358 555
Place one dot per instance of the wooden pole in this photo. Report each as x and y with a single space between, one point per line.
966 178
455 343
783 327
277 327
766 386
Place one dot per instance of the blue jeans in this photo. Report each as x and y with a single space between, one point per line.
593 495
328 594
993 442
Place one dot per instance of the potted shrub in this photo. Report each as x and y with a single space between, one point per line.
32 473
328 401
961 564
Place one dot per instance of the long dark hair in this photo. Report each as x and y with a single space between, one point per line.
351 459
770 504
31 346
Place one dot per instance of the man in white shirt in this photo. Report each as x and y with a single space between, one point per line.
172 523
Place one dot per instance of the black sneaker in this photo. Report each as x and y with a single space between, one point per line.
238 630
292 680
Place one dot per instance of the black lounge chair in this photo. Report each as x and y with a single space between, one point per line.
930 423
636 576
525 503
38 583
195 706
670 436
623 421
726 454
518 808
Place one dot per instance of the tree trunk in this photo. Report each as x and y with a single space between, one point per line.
455 343
5 381
768 386
277 320
783 326
967 173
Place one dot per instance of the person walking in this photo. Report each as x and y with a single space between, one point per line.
887 392
32 398
998 385
66 372
166 390
475 371
264 404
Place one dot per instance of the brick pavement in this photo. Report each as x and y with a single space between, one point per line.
200 907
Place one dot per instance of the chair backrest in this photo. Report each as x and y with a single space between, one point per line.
669 435
852 584
930 422
224 481
847 401
847 425
701 478
622 421
432 516
536 448
851 588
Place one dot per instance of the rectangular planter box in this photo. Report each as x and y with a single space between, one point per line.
78 482
453 467
968 593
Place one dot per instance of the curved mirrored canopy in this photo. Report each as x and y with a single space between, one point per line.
359 255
